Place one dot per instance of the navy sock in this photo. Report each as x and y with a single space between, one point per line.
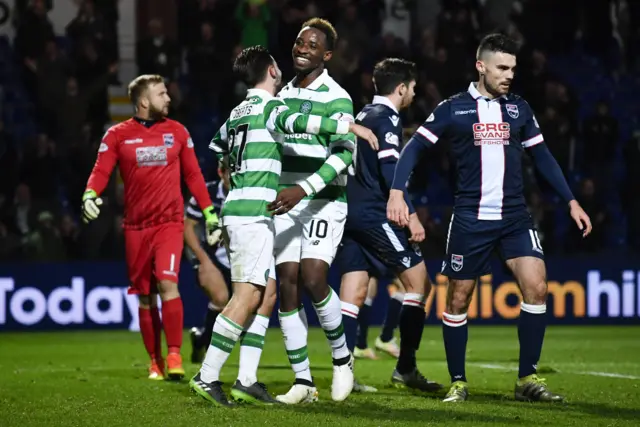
455 334
392 318
411 326
363 325
350 324
209 321
531 328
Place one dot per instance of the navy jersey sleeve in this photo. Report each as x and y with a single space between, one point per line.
531 133
533 141
435 126
427 135
389 134
193 210
389 138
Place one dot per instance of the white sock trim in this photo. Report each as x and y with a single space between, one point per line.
368 301
414 300
533 309
398 296
350 310
454 320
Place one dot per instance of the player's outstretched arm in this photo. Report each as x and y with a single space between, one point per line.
397 209
341 147
99 178
281 119
388 158
552 173
533 142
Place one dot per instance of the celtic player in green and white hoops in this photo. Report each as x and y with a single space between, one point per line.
251 138
311 210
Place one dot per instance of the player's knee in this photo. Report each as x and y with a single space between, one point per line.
248 295
220 297
535 293
316 287
168 290
415 280
144 301
458 297
354 287
268 300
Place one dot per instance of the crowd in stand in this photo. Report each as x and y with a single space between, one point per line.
41 180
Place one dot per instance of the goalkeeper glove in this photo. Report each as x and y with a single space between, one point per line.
90 206
212 225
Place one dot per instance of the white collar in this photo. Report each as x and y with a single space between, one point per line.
377 99
258 92
475 94
314 85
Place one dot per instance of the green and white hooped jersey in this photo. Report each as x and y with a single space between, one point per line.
318 163
252 137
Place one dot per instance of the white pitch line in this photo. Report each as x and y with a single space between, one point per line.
590 373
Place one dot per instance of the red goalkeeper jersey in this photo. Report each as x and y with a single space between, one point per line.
151 160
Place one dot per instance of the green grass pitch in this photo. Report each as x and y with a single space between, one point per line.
99 379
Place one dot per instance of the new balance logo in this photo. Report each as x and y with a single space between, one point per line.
315 243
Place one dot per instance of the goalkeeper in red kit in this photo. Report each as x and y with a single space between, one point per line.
152 152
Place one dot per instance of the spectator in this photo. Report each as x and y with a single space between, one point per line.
253 17
40 169
205 66
600 137
156 54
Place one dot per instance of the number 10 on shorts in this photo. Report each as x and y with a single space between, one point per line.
318 229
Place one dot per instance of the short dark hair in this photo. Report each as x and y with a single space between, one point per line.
390 72
252 63
497 43
326 27
140 84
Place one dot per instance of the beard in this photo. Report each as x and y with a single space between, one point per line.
158 114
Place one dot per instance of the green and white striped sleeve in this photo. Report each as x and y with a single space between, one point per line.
340 146
220 144
281 119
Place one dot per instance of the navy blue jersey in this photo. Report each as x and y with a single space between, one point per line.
371 177
193 211
487 140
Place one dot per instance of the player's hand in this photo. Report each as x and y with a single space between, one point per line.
397 209
212 226
366 134
90 206
416 229
580 217
286 200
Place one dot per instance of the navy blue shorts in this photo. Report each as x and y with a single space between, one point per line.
382 251
471 242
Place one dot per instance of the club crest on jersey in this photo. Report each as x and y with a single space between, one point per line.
168 140
306 107
457 262
512 111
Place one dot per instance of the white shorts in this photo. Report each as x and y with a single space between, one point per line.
250 248
311 230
